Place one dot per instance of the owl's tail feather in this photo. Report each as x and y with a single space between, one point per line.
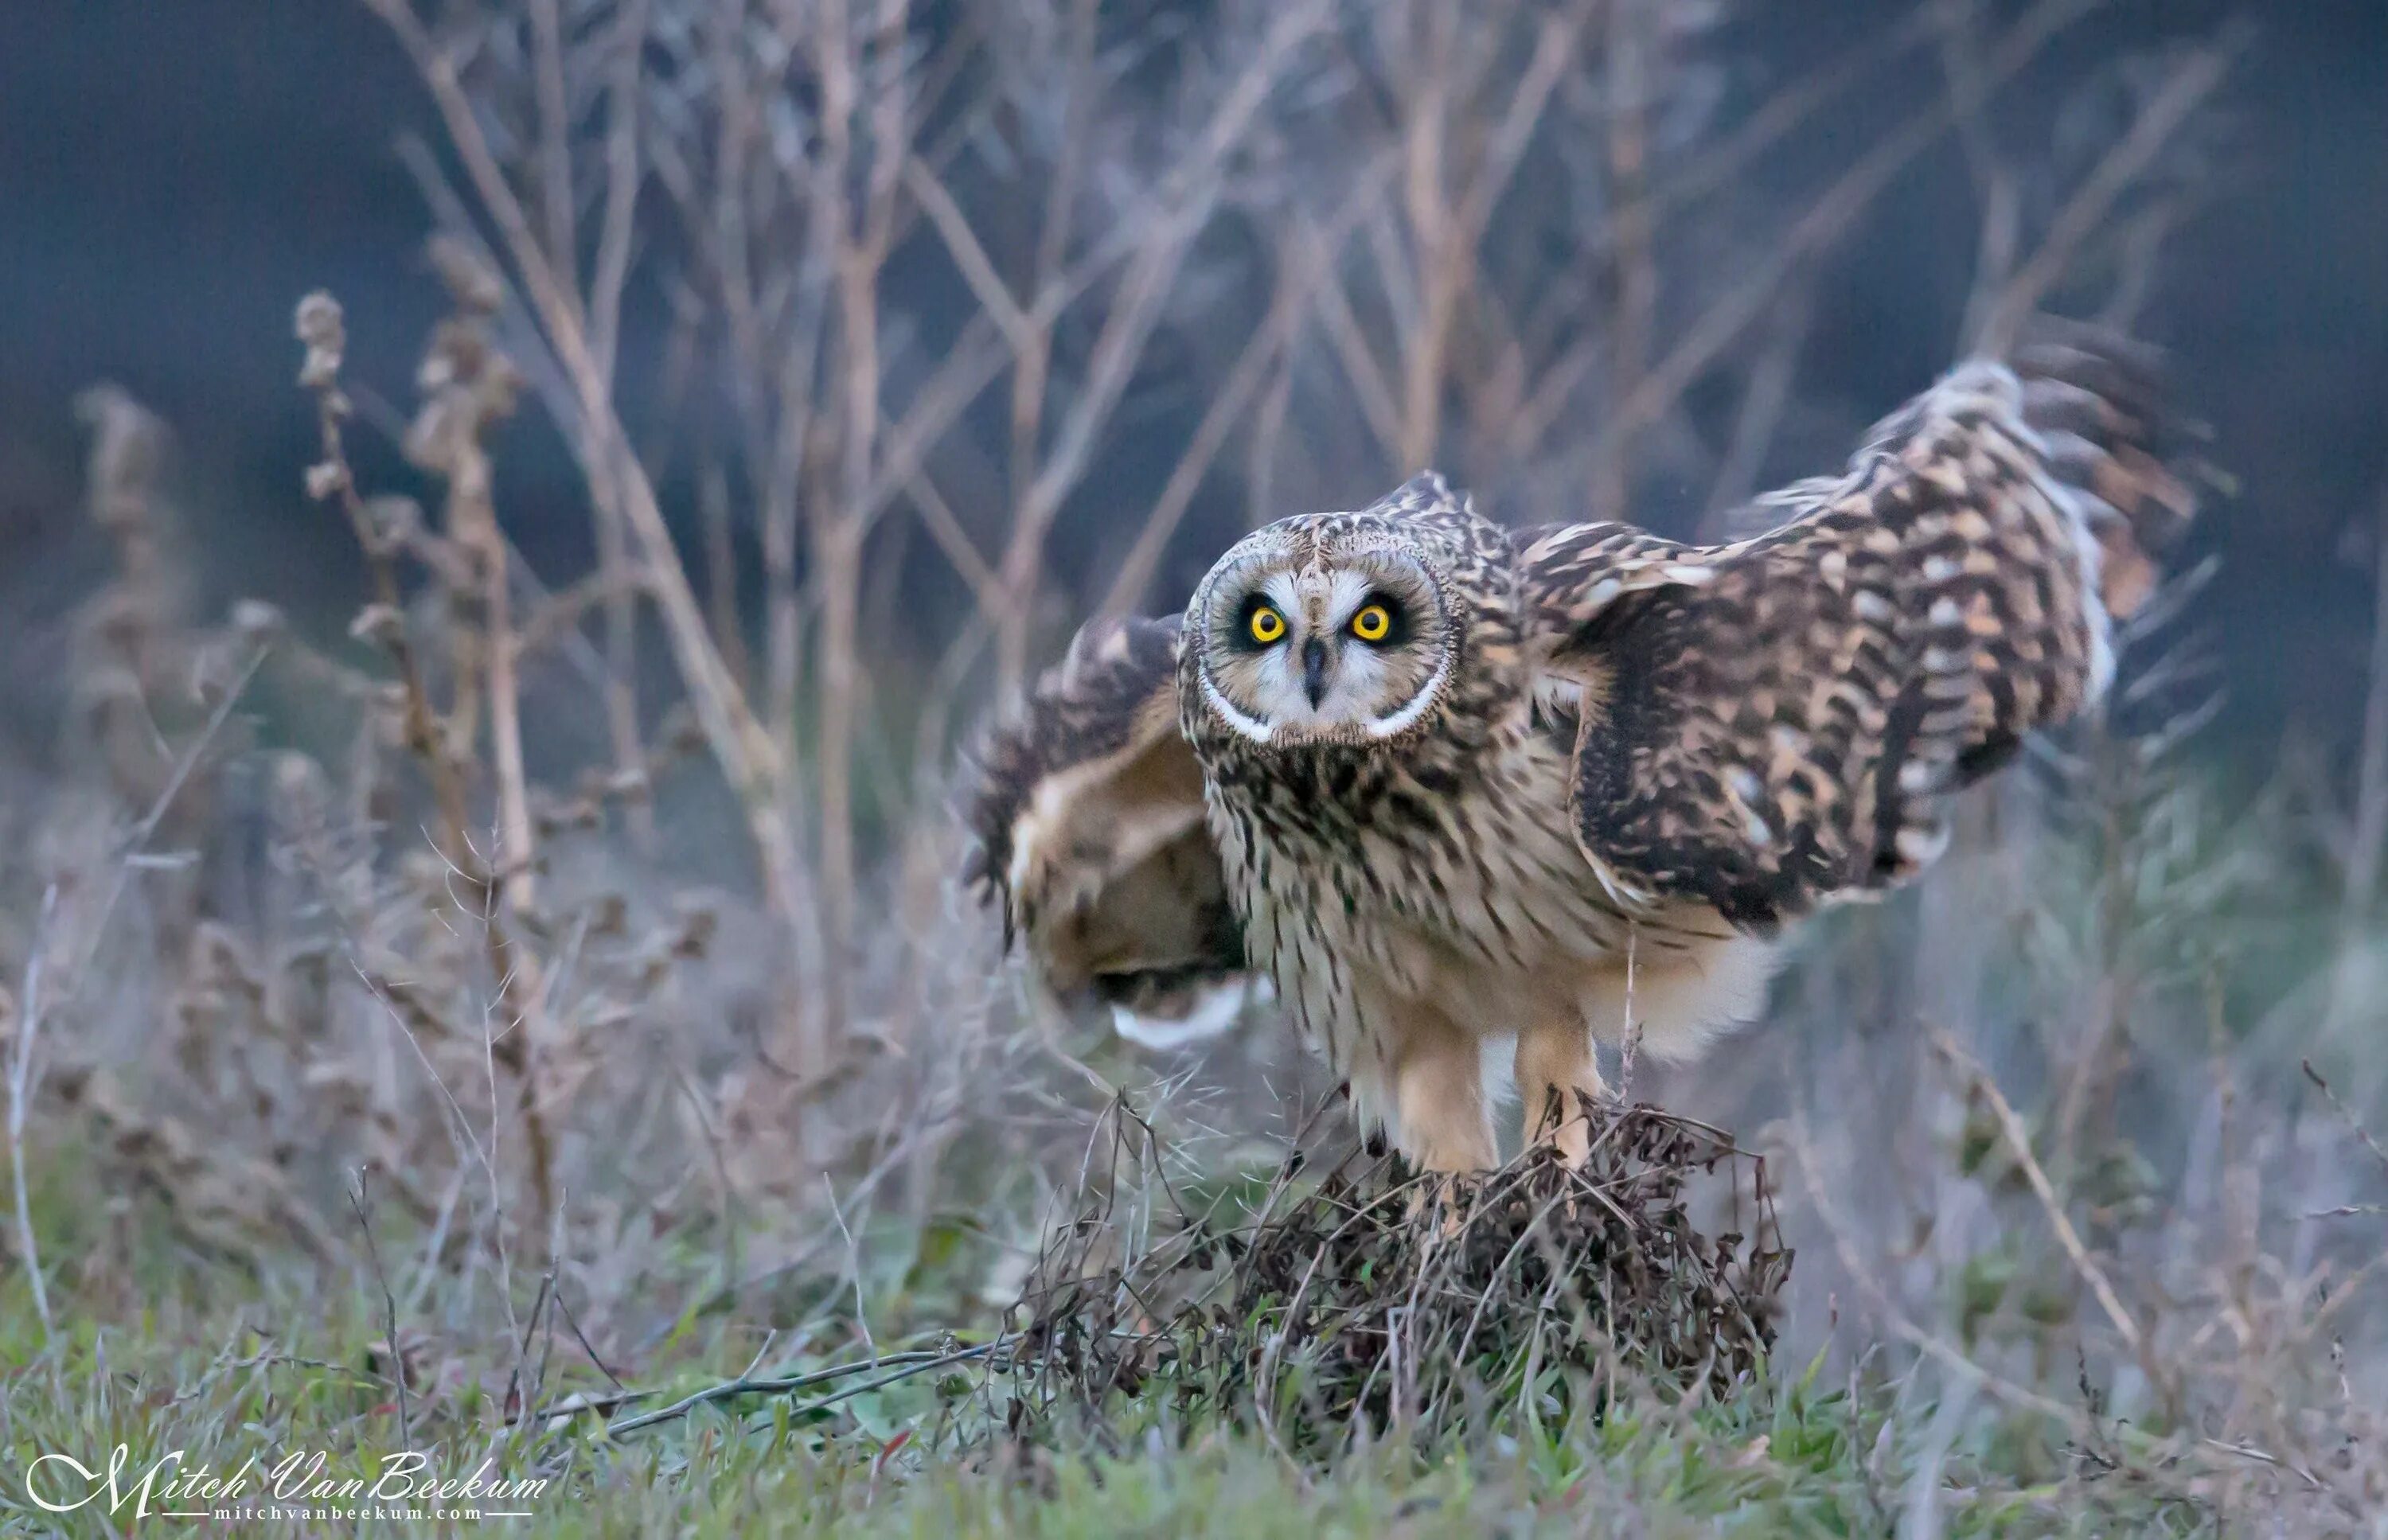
2096 401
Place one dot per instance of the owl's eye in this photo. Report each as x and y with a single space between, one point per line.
1373 624
1266 625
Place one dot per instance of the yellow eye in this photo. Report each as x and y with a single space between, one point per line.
1267 626
1372 623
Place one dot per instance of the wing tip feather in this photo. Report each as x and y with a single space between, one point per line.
2098 403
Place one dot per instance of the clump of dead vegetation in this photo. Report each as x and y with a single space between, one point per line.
1353 1301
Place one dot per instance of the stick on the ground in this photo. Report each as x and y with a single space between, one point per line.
917 1362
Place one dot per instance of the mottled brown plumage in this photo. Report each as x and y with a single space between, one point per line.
1442 784
1089 815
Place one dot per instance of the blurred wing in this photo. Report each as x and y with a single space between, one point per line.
1768 725
1088 815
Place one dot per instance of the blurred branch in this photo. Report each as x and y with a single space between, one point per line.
744 749
954 541
1358 360
1826 222
1189 193
2367 847
1762 404
1994 184
2192 81
970 259
554 142
1307 271
25 1025
623 177
1637 272
1788 108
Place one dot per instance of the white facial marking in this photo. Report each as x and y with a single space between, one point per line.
1402 721
1245 725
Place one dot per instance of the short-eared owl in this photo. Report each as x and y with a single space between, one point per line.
1442 783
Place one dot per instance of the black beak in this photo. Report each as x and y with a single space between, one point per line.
1314 671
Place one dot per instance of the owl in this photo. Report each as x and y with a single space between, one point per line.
1457 793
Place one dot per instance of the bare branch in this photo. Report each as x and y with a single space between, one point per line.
1830 217
2192 80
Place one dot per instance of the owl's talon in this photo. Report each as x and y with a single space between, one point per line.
1438 1194
1561 1119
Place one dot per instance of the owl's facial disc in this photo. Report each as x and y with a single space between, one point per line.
1349 645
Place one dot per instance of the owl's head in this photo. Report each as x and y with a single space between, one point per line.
1313 631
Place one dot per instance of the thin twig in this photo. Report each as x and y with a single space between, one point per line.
854 1266
2353 1124
20 1071
2084 1430
359 1202
2019 1141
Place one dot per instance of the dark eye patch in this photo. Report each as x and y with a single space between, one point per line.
1241 638
1398 613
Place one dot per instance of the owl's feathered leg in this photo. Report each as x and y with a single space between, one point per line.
1438 1097
1554 1061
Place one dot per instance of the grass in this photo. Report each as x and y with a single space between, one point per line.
1798 1457
227 1363
2000 1336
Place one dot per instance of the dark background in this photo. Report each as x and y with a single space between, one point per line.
174 173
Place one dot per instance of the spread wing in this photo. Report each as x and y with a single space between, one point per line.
1767 724
1088 815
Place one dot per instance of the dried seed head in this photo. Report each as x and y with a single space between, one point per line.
396 519
257 621
326 478
129 445
320 322
320 326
